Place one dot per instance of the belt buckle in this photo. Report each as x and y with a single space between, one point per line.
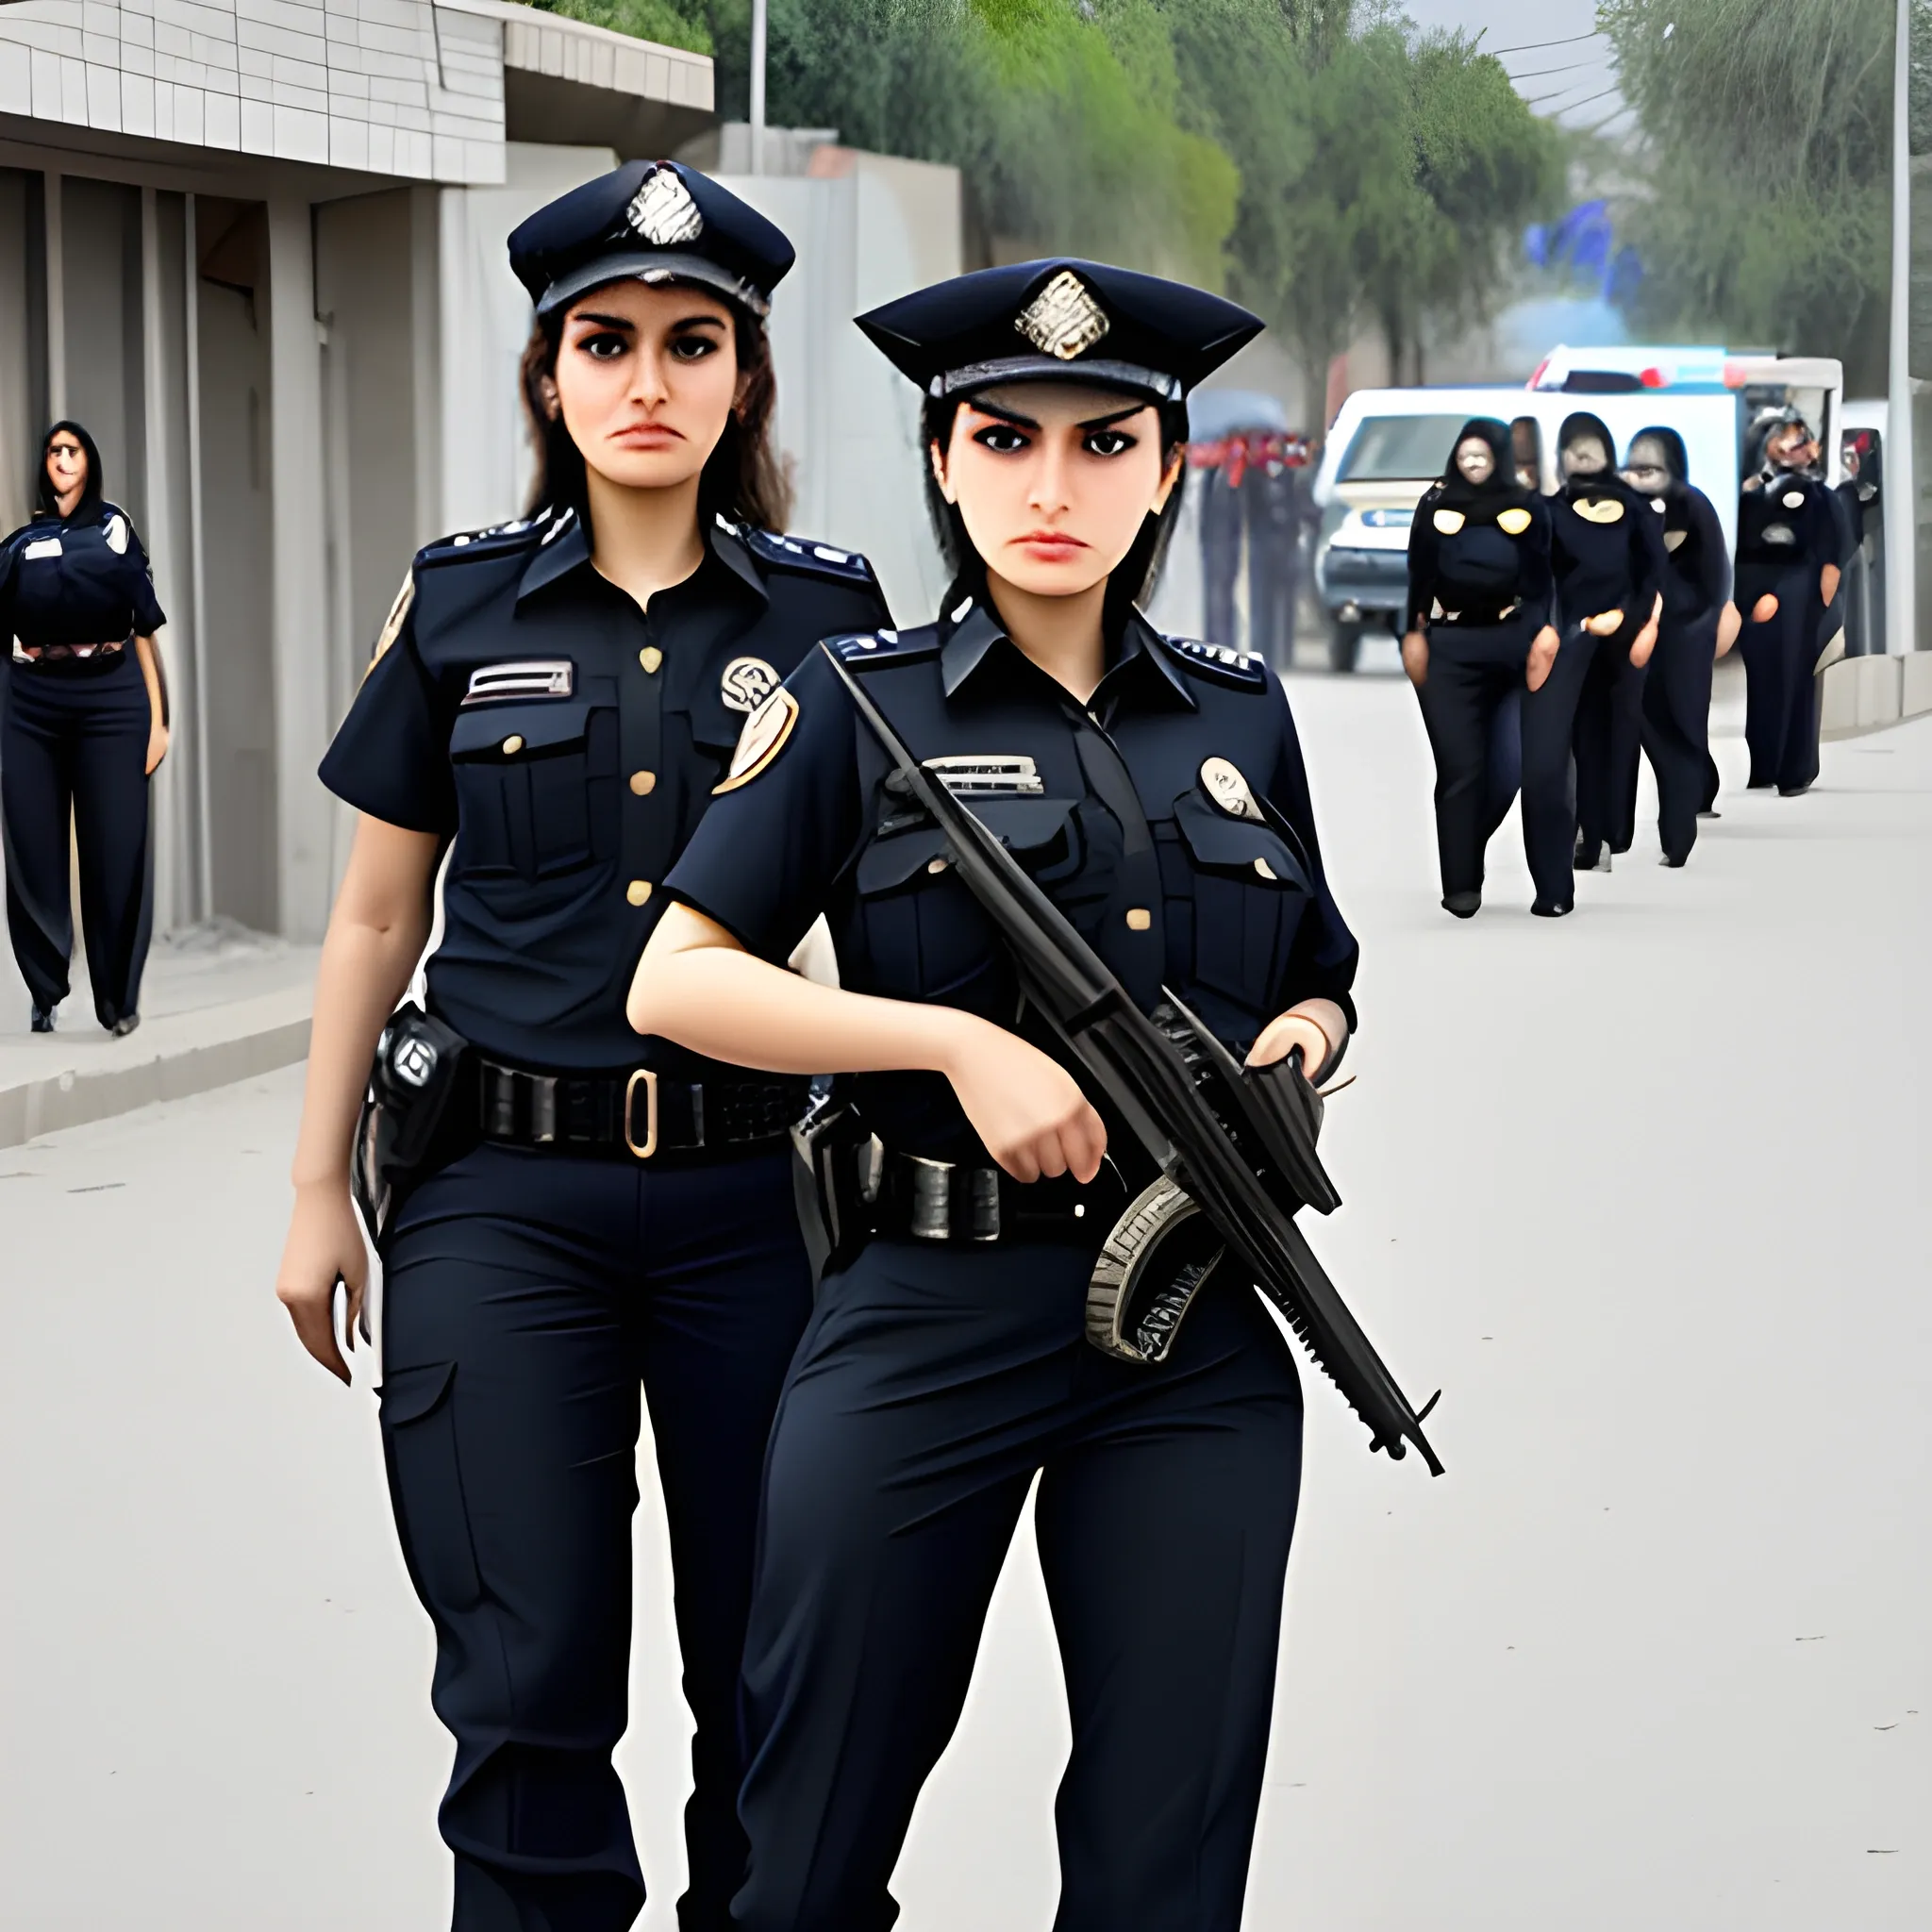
650 1081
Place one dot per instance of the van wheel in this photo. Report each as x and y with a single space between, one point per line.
1344 644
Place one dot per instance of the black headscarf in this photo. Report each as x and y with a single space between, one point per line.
1455 491
87 509
1604 482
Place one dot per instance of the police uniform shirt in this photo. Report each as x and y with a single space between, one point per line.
1606 549
1480 555
1785 521
77 583
525 708
1169 819
1699 576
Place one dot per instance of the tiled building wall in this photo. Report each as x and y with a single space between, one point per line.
397 87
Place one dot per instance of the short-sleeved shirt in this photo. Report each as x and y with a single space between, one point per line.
79 582
566 742
1169 818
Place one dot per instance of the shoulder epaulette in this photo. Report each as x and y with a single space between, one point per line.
1225 666
805 554
499 540
864 648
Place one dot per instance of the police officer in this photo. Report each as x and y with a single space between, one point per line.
85 727
551 705
1155 789
1789 544
1479 596
1698 625
1608 561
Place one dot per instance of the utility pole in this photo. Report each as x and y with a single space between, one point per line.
1900 494
757 84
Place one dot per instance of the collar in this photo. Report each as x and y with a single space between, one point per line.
568 548
971 629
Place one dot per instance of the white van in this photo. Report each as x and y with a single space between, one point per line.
1387 445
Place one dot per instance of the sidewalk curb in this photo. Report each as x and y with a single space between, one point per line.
190 1053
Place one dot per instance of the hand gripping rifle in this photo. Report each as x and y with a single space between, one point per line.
1236 1150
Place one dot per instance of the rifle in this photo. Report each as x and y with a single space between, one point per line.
1236 1154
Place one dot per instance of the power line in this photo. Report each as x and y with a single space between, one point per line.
1539 100
1568 67
1532 46
1585 102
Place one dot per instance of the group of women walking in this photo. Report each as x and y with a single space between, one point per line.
1553 641
607 741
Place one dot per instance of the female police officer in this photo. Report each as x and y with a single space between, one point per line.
86 726
1698 625
1156 791
554 704
1609 562
1479 597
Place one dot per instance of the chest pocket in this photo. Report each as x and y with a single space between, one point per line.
522 777
924 931
1251 888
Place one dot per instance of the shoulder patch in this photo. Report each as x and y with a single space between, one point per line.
499 540
392 624
760 741
806 554
1219 663
861 649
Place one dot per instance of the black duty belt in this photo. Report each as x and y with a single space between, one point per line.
916 1199
635 1115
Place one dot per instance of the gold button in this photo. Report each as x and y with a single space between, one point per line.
1138 919
642 782
935 865
650 657
512 745
637 891
1262 867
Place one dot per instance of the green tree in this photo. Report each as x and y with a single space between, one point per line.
1767 128
663 21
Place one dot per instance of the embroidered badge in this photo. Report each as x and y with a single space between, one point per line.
1221 779
1674 540
1447 520
1063 319
116 534
761 740
1600 510
46 546
1792 499
747 683
976 775
392 624
1512 523
663 212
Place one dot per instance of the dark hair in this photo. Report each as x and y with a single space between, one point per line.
90 492
1136 575
743 478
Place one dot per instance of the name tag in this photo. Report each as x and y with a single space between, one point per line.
979 773
47 546
530 677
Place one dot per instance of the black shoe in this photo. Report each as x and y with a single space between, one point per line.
1593 859
1673 861
1464 904
1794 790
124 1025
1553 908
43 1020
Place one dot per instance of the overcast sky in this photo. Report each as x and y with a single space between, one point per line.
1551 47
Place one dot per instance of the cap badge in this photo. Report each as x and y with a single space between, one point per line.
663 212
1221 779
747 683
1063 320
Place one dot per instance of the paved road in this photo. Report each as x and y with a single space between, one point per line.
1641 1191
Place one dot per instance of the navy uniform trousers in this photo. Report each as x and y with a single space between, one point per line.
526 1297
1549 766
1471 703
1608 733
74 749
932 1383
1676 729
1782 694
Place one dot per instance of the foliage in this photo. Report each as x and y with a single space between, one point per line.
1767 125
663 21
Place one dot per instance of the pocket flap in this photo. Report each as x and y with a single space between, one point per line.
1226 844
890 862
487 731
1024 824
409 1394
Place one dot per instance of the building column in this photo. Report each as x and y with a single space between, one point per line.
300 595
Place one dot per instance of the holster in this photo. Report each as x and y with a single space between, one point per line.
401 1133
829 1149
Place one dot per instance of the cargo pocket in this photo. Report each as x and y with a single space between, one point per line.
427 1486
523 775
1250 892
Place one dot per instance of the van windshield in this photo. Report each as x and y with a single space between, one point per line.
1400 449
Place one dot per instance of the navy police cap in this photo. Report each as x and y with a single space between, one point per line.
1061 320
656 221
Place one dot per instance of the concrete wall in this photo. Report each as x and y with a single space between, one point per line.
399 86
22 343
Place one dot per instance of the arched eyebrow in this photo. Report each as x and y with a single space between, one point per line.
1107 421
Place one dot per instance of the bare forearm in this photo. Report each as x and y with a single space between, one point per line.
148 652
732 1006
362 973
